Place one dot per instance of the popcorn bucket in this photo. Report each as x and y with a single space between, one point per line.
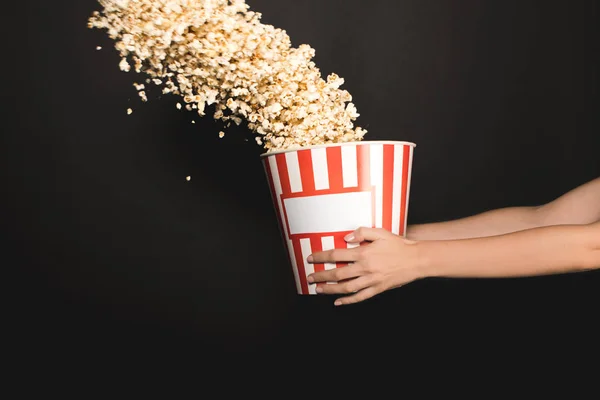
321 193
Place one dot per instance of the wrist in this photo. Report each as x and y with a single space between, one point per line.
426 265
418 232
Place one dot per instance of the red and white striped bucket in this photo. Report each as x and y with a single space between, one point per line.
321 193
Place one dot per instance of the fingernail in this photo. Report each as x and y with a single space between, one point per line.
337 303
319 289
310 279
349 237
310 258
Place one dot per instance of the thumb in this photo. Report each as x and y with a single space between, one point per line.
364 233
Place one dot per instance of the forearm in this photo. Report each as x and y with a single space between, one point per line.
490 223
579 206
538 251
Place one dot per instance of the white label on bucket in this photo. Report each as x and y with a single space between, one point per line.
329 212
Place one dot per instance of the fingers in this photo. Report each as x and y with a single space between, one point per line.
333 256
336 274
349 255
366 234
349 286
362 295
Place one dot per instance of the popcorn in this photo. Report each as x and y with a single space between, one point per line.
218 53
124 65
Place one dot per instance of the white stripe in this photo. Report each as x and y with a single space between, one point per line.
319 163
410 161
277 196
293 168
349 170
328 243
308 267
397 188
376 168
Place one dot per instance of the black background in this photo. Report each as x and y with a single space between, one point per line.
121 259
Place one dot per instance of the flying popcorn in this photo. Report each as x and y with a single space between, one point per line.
218 53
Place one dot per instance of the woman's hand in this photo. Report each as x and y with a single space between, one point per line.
386 261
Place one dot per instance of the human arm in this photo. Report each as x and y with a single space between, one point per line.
389 261
579 206
560 236
531 252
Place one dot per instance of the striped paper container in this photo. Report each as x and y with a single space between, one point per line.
321 193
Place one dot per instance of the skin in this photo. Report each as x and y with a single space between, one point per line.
561 236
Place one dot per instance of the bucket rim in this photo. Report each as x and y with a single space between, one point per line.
318 146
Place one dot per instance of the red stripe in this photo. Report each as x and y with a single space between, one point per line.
306 172
388 183
284 176
317 245
334 168
300 265
340 243
269 174
405 165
